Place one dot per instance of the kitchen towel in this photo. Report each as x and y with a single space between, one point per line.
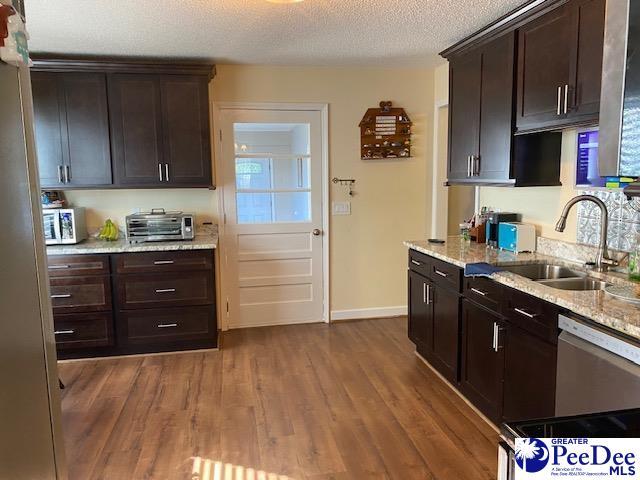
481 269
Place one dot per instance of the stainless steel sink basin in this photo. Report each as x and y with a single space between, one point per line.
580 284
542 271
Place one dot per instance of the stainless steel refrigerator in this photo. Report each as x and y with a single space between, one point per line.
31 444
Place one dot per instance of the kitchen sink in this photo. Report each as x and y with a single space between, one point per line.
581 284
542 271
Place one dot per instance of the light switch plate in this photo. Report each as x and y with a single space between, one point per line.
341 208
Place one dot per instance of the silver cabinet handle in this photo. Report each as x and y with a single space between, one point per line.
167 325
559 110
476 165
442 274
60 174
479 292
58 267
566 99
166 172
61 295
469 166
67 174
526 314
426 293
64 332
165 290
415 262
163 262
160 171
495 337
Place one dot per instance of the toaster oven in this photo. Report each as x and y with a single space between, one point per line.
159 226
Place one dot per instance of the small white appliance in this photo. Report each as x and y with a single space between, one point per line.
64 226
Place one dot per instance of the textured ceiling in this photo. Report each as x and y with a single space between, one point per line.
314 32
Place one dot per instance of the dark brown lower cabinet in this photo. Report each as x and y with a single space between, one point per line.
446 332
482 359
530 376
83 330
420 313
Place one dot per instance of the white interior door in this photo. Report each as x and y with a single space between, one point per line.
272 182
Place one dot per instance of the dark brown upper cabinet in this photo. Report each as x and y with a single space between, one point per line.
481 113
160 130
72 129
145 121
560 67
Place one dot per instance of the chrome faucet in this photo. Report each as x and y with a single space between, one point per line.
603 262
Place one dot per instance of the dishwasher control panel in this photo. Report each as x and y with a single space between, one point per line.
601 338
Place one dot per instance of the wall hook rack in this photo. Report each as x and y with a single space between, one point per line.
348 182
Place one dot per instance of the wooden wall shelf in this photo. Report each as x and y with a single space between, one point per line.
385 132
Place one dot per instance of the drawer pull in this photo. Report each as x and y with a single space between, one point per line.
442 274
165 290
61 295
167 325
479 292
64 332
526 314
163 262
415 262
58 267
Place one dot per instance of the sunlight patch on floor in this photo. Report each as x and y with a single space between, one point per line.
207 469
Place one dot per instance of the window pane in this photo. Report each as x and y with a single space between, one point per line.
283 207
275 138
253 173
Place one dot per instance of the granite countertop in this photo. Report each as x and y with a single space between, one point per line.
95 246
595 305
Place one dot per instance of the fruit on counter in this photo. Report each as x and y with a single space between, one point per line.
109 231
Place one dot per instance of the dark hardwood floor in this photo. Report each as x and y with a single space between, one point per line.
346 401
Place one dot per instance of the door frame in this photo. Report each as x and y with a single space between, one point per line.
217 110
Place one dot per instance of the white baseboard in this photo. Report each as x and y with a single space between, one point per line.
378 312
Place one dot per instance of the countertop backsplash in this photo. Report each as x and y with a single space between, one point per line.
624 220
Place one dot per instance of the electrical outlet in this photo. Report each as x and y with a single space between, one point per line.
341 208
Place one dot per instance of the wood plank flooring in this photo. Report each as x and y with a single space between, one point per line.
317 402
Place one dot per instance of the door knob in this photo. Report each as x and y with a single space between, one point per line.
316 231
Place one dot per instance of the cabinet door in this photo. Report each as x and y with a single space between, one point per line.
530 376
545 48
587 61
136 130
48 128
496 110
464 114
187 145
446 329
420 317
482 359
88 155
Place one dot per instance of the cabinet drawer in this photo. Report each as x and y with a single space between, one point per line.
154 262
532 314
73 265
169 289
419 262
484 291
80 294
83 330
168 324
445 274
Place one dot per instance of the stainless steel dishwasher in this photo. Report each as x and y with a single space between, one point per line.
598 370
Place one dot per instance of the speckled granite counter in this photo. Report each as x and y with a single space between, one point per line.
94 246
595 305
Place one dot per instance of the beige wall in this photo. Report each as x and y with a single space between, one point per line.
541 205
392 201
